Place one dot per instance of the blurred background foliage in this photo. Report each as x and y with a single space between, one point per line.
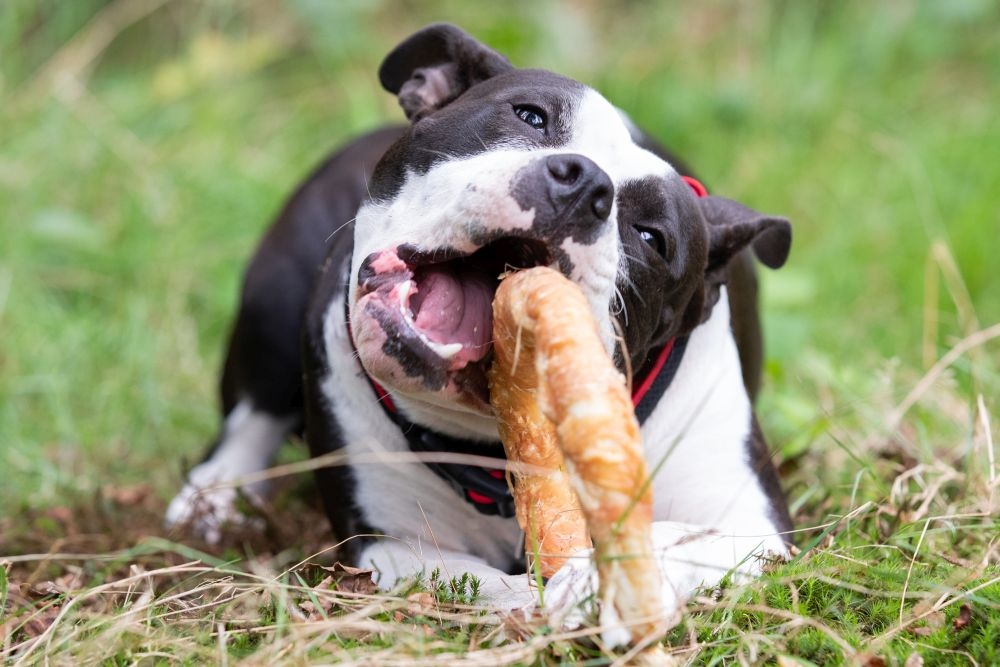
145 144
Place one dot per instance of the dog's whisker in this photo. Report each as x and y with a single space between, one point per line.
618 305
635 260
630 285
338 229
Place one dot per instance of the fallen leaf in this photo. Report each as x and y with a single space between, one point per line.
963 618
347 579
914 660
420 603
39 622
72 580
322 610
42 590
126 495
340 568
871 660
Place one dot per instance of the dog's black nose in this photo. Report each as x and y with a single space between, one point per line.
578 187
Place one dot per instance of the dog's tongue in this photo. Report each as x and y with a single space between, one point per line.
452 307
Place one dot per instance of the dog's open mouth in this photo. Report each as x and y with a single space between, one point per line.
435 310
450 303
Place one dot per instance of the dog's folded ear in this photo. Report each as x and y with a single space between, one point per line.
435 65
733 226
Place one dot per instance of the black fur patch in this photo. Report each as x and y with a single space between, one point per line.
480 120
660 290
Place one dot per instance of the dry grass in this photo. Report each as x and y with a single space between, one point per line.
145 144
908 567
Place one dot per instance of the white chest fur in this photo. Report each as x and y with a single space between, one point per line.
696 438
393 490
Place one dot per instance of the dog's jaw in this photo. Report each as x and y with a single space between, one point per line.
423 322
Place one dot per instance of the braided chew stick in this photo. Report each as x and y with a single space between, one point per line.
552 374
547 508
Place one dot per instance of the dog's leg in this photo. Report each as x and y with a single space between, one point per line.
249 440
396 561
261 395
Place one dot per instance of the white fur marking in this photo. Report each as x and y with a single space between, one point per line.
440 517
249 441
396 561
698 433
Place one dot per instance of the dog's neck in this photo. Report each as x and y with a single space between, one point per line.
444 419
709 381
486 488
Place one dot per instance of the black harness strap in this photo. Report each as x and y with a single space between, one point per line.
485 488
660 378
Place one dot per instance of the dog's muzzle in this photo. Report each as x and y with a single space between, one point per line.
423 321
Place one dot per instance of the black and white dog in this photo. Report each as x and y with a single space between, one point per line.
410 229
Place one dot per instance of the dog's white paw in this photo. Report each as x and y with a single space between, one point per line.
206 505
570 600
571 595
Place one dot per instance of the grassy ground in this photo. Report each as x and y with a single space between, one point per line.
144 145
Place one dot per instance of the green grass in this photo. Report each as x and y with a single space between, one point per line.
138 167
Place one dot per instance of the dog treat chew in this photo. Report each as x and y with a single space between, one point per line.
551 374
547 508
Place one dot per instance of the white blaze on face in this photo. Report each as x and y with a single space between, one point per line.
448 205
601 133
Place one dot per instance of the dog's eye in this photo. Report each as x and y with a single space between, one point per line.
653 239
533 116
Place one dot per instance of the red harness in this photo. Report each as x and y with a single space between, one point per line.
639 390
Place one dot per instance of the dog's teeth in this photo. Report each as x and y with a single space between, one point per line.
404 290
444 351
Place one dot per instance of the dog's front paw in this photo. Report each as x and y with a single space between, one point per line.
570 600
572 590
205 505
